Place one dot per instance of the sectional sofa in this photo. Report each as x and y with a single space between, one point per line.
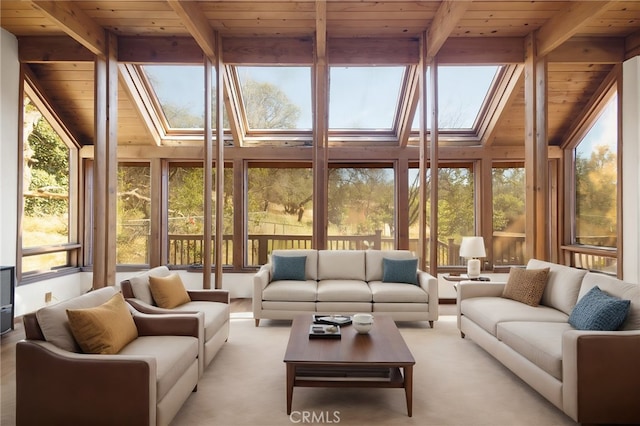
345 282
593 376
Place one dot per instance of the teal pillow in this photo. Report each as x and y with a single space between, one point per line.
598 310
400 271
289 268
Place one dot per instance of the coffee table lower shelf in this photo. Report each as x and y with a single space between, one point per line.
350 377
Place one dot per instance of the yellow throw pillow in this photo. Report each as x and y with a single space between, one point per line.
105 329
526 285
169 291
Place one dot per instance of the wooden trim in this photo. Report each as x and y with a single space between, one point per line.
621 183
235 106
402 204
632 45
409 103
239 222
156 217
219 225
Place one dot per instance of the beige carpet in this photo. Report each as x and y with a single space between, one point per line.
455 383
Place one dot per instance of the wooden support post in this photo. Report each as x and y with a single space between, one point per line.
105 165
219 66
320 162
207 175
434 159
536 156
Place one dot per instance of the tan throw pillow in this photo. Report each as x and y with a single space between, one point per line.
169 291
105 329
526 285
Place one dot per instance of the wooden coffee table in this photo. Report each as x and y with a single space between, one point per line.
356 360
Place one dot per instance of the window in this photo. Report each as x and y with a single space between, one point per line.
361 207
186 215
508 184
179 92
47 225
276 97
462 94
596 180
364 97
279 209
134 214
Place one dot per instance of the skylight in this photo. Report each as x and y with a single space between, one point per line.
364 97
179 90
276 97
462 91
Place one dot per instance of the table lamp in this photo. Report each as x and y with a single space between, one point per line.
472 248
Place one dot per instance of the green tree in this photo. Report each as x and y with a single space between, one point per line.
268 107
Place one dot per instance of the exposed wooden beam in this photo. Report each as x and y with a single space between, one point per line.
196 23
36 50
132 85
267 50
632 45
484 50
77 24
443 23
589 50
378 51
567 23
165 50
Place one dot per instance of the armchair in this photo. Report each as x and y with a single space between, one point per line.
146 382
214 304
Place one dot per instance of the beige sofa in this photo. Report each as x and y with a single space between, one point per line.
344 282
592 376
214 304
147 382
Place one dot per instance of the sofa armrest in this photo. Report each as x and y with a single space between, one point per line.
260 281
54 386
182 324
601 379
217 295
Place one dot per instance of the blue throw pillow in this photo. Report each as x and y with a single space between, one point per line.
289 268
598 310
400 271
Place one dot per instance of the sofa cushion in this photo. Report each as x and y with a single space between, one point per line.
173 356
617 288
397 292
288 267
598 310
54 322
103 329
373 261
563 285
343 291
341 265
291 291
400 271
310 267
168 292
140 283
488 312
539 342
526 285
216 314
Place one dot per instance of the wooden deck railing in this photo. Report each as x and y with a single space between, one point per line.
188 249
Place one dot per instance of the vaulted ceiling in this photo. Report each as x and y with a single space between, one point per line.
584 41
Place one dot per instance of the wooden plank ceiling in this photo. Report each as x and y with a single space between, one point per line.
584 39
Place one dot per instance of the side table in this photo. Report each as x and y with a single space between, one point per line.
464 277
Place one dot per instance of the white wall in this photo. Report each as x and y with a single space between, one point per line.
630 170
9 108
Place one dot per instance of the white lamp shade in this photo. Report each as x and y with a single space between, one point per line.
472 247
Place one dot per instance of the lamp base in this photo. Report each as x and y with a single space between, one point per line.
473 268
